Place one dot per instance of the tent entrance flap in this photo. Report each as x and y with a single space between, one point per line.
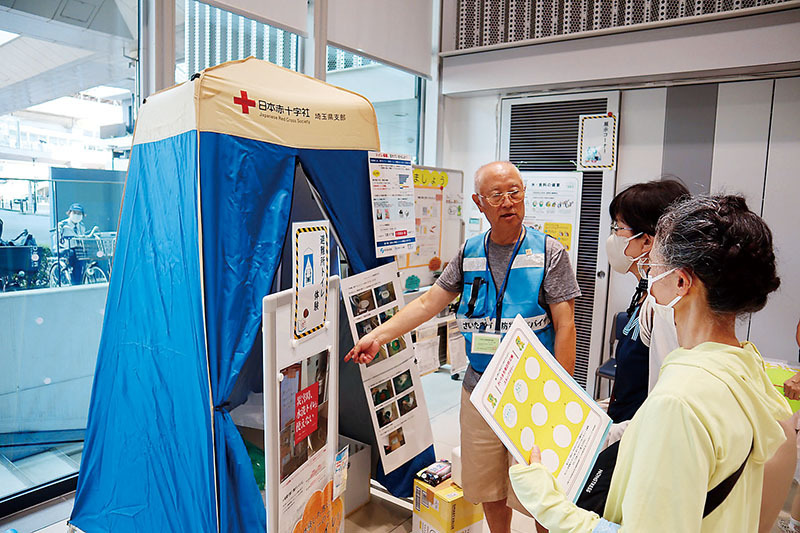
243 230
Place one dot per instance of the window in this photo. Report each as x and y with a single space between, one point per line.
395 94
65 135
207 36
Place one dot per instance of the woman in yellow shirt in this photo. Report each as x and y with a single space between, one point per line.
712 260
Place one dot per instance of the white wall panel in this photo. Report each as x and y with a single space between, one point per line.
290 15
395 32
48 348
740 140
773 328
469 140
641 147
641 136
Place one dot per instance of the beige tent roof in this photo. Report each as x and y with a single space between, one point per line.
257 100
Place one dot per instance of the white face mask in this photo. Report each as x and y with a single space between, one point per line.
657 327
75 217
615 249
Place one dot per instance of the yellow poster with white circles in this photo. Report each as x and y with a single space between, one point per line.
529 399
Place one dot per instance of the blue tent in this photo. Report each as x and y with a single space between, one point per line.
204 218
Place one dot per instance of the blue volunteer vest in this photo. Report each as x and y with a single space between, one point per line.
479 300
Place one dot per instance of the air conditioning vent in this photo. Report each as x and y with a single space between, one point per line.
487 22
543 136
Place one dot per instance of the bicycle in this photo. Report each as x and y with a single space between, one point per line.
19 262
91 249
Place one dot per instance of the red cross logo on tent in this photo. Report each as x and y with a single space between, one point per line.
245 102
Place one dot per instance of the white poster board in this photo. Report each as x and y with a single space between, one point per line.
392 189
310 253
301 419
553 206
527 398
391 381
456 348
426 347
597 142
438 207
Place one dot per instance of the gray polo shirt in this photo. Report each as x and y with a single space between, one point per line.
559 284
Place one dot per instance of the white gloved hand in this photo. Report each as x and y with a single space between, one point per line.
615 432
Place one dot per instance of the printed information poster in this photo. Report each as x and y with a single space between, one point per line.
597 142
310 244
391 380
428 220
306 475
528 398
456 348
426 348
392 191
553 206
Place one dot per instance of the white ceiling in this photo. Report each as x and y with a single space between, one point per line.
65 46
16 55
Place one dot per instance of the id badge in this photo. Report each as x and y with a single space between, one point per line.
485 343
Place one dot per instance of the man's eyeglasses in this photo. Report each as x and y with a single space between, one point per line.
497 199
615 227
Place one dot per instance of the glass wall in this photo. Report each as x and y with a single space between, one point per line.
206 36
67 90
395 94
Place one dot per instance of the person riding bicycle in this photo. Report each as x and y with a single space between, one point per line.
72 226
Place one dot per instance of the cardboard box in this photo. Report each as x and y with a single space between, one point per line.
252 435
443 509
356 493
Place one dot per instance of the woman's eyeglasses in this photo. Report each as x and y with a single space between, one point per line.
616 227
644 265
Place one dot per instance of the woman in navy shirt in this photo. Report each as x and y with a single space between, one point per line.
635 212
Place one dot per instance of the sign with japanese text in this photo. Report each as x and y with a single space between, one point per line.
430 178
597 142
392 188
310 249
553 206
306 407
438 201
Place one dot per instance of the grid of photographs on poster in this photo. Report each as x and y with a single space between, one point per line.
393 400
391 379
296 378
364 306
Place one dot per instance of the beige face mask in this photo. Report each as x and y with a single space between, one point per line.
615 249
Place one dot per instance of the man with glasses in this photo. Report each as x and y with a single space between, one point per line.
510 269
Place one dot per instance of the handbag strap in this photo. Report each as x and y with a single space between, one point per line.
717 495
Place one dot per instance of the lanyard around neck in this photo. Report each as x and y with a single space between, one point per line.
501 292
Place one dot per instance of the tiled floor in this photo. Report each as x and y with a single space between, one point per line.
381 515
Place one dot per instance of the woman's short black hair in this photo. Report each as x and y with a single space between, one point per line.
642 204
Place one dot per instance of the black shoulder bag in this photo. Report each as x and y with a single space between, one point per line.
595 493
